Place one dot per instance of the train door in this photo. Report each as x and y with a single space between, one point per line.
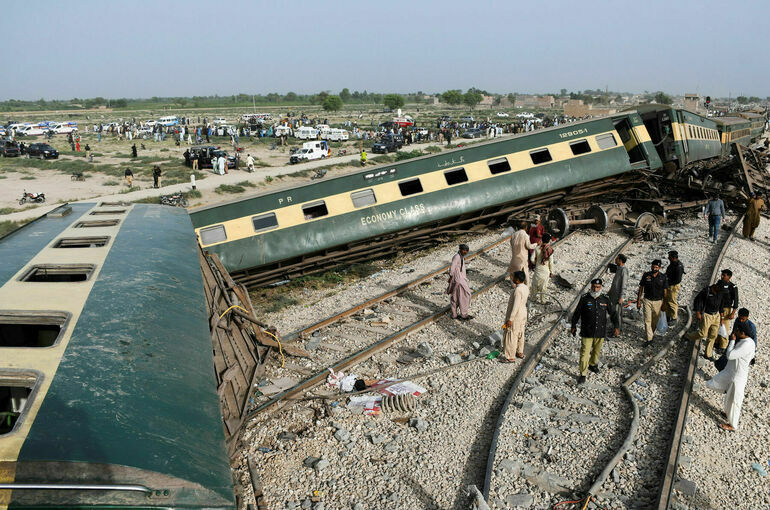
683 137
630 141
658 124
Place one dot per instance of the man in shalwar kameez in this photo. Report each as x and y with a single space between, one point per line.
751 220
732 380
520 245
458 289
515 320
542 258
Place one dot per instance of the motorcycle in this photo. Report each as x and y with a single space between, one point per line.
320 173
32 197
174 200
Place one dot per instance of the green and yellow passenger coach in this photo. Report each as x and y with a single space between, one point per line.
757 123
283 226
107 388
733 130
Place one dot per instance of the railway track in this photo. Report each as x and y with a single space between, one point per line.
557 443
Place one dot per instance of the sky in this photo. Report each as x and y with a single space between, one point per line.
136 49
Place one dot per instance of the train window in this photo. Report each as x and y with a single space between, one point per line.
410 187
580 147
455 176
689 131
498 166
264 222
315 210
96 223
82 242
606 141
540 156
363 198
211 235
58 273
24 329
15 393
107 211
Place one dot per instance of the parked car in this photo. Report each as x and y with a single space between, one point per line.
445 118
473 133
206 152
502 115
390 143
468 118
10 149
42 151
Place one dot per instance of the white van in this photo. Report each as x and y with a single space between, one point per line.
306 133
337 135
323 130
64 128
171 120
31 131
309 152
220 120
281 131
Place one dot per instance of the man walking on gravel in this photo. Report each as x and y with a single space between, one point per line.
654 287
591 312
732 380
515 320
751 220
618 288
730 305
674 273
458 289
542 258
715 211
708 310
520 245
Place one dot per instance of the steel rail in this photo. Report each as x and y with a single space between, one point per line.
534 358
391 293
667 483
369 351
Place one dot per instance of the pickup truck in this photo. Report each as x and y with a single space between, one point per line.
389 143
309 152
9 149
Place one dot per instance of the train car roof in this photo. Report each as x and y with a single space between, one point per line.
126 394
751 115
729 121
368 170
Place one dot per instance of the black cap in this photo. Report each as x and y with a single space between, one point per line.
673 253
596 281
656 262
727 272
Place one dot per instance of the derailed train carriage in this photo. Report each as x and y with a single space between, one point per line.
264 236
107 392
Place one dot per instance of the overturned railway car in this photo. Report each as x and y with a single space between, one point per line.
275 235
107 391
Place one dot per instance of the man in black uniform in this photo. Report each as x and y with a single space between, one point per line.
730 306
592 312
654 286
708 310
674 273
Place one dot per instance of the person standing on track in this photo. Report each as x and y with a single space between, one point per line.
715 211
535 232
674 273
515 319
591 312
751 220
458 289
732 380
519 245
654 287
618 288
542 257
730 305
708 310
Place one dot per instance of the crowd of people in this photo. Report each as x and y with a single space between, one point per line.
730 336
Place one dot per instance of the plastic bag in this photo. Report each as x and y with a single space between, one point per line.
662 326
722 331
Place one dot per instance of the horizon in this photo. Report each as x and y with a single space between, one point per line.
168 49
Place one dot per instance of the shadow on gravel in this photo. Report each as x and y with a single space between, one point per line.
706 408
428 502
488 258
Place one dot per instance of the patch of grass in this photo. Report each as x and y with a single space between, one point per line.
278 302
229 188
148 200
247 184
268 179
362 270
193 193
404 155
301 173
432 149
165 150
135 187
111 183
28 178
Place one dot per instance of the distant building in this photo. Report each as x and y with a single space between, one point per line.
693 103
546 102
577 108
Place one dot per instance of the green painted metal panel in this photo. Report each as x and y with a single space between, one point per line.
136 385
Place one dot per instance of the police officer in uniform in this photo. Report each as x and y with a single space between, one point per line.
674 273
591 312
654 288
730 306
